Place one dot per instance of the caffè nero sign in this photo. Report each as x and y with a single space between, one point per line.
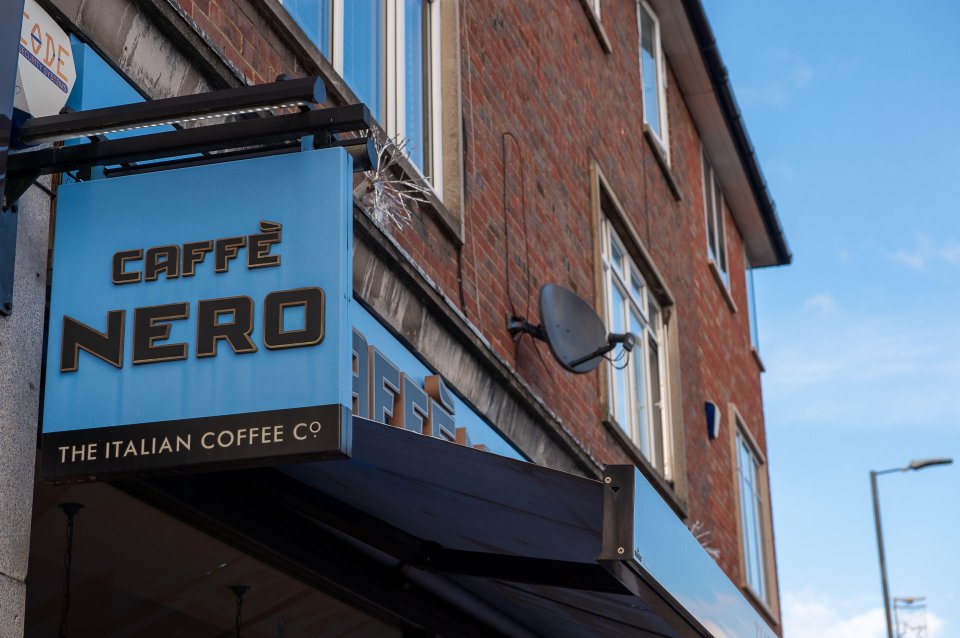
200 318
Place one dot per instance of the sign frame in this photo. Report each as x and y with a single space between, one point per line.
181 407
643 538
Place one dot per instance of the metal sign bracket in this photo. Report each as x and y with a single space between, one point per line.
256 131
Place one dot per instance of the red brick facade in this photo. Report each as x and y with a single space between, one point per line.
541 99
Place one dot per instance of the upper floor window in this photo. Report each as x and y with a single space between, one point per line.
751 304
637 385
653 75
750 475
713 209
387 51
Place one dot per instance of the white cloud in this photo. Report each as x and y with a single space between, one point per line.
862 371
810 615
780 170
925 252
821 304
951 253
914 259
794 74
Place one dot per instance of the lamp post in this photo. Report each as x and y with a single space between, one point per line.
914 465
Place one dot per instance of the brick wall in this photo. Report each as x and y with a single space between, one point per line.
541 99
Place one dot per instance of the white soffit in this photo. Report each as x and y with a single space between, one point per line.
683 53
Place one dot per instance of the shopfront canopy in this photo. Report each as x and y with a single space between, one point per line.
464 542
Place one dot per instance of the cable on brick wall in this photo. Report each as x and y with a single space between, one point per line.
526 235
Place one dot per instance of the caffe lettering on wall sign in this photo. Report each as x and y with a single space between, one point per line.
227 319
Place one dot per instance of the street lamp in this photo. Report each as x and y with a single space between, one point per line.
914 465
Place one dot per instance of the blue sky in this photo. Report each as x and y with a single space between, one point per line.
853 109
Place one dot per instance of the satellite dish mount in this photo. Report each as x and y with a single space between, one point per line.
575 333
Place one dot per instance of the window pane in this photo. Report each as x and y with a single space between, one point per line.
755 578
634 403
759 583
654 316
751 518
640 388
616 257
656 404
313 16
619 376
636 289
414 57
745 524
363 51
708 194
721 237
752 308
649 71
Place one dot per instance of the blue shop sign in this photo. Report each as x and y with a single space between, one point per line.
201 316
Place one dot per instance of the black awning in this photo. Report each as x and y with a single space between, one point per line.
486 544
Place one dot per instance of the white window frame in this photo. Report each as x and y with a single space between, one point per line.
649 311
394 96
713 209
751 302
664 137
595 6
755 481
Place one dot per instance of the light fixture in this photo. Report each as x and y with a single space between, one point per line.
922 463
174 110
914 465
713 419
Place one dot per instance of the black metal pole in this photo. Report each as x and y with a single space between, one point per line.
238 592
70 510
883 561
11 17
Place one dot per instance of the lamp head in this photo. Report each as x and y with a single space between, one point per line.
922 463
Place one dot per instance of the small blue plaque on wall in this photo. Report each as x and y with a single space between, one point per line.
199 319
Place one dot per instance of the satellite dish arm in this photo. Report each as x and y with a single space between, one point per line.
519 325
628 339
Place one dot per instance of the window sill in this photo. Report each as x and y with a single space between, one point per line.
718 277
762 606
659 153
447 221
756 357
664 487
597 26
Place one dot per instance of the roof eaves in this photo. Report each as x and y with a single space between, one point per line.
720 80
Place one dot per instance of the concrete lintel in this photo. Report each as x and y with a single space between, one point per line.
130 37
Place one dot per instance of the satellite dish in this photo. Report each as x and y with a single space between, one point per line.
573 330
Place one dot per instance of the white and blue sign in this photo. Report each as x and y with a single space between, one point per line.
200 316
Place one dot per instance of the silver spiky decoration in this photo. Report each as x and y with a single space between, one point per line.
702 534
386 193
